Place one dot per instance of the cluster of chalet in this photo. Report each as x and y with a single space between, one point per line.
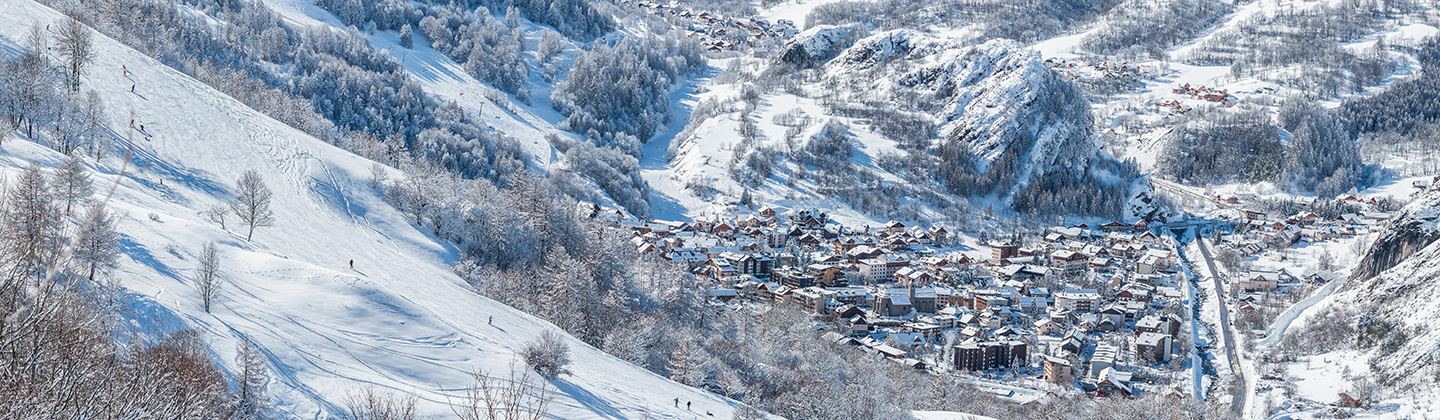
1263 228
1104 69
1174 106
888 285
886 288
715 32
1205 94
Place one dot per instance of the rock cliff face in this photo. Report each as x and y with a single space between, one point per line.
1414 228
1401 306
817 45
1396 288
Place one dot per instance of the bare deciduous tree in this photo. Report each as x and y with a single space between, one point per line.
378 174
519 397
252 202
33 237
207 279
216 213
76 45
251 380
97 245
369 404
95 130
72 182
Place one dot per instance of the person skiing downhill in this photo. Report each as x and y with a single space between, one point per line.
492 321
677 402
352 264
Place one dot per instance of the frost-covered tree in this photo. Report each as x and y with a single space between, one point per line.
832 146
27 85
33 235
94 130
97 244
624 88
68 123
1323 148
687 363
72 182
252 202
407 36
251 378
551 45
547 354
76 45
207 276
378 175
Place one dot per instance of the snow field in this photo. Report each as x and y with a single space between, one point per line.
400 321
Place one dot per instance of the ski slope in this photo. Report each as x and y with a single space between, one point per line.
399 321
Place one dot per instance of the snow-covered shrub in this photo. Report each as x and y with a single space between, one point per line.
547 354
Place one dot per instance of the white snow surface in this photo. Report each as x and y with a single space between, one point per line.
399 321
947 415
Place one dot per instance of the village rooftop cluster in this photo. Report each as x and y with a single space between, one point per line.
1079 306
718 33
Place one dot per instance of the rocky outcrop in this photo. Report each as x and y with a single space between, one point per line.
997 99
818 45
1414 228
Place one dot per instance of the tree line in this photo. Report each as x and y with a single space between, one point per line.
1214 146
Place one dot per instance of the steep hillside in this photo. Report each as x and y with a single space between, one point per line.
1398 311
1411 230
997 100
399 320
897 124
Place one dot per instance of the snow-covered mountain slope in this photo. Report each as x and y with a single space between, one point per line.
1412 229
1393 293
898 95
1401 307
997 97
817 45
399 320
445 78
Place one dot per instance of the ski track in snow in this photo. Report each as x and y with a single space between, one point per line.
399 321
